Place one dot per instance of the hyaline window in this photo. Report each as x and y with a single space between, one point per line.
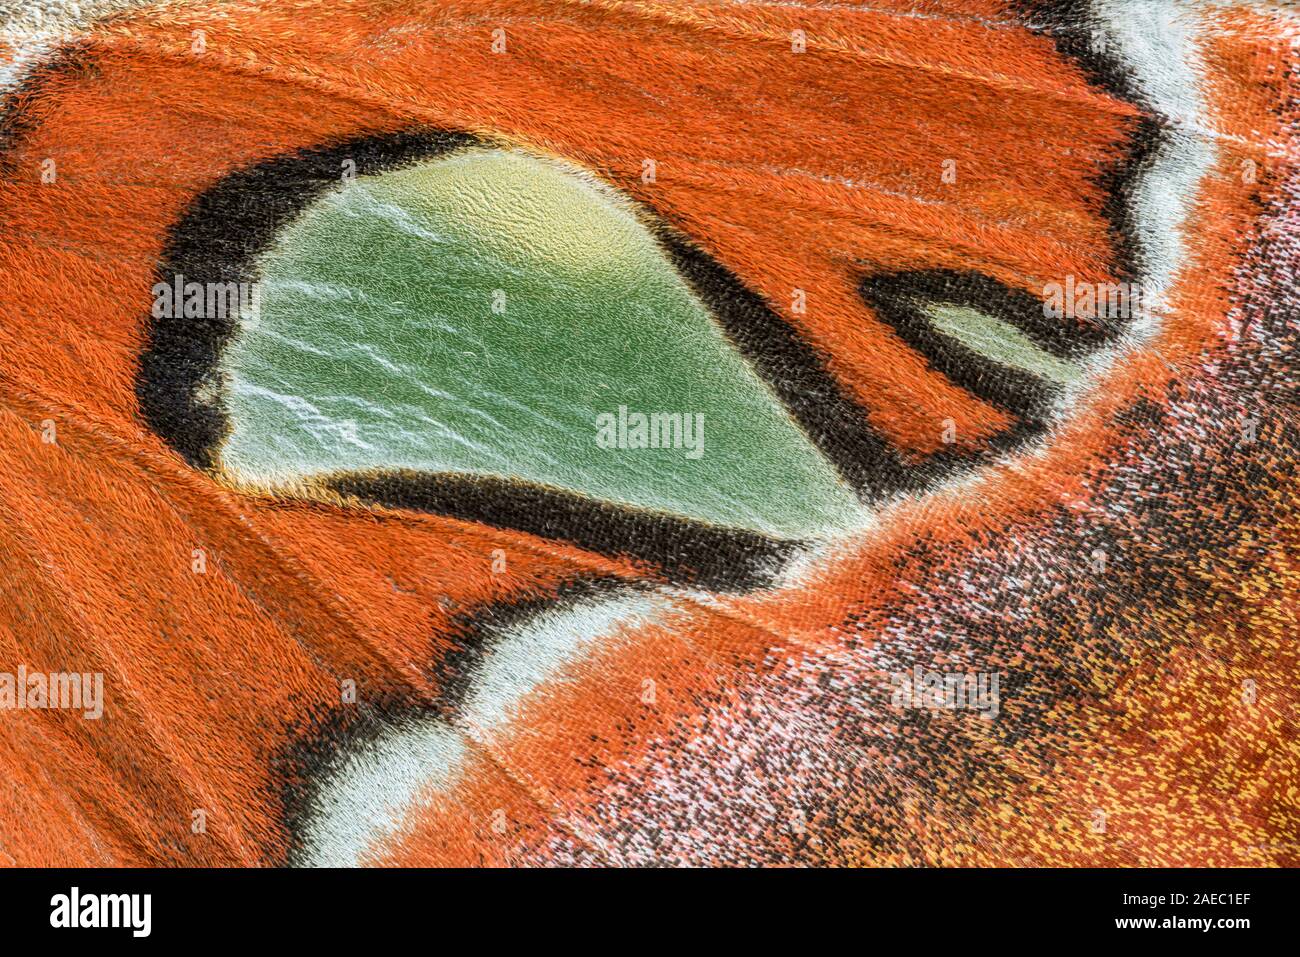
492 313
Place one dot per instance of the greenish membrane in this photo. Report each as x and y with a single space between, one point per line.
492 313
999 341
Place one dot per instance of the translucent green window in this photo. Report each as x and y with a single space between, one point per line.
497 314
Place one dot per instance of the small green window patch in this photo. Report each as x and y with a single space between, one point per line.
999 341
491 313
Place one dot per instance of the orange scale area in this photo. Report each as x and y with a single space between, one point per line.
309 591
572 734
105 569
411 580
573 83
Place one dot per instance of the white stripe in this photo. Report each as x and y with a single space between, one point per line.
1153 38
369 796
365 798
542 648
